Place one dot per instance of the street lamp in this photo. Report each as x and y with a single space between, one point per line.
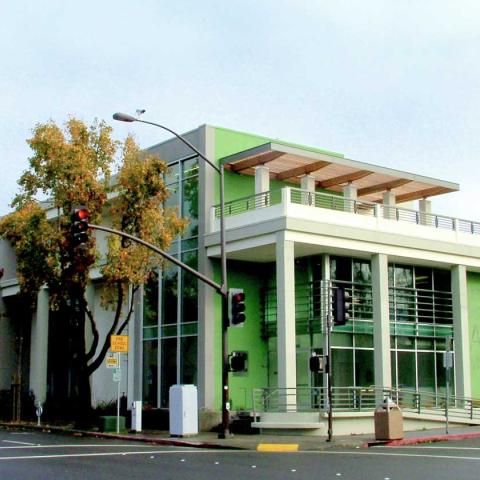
225 428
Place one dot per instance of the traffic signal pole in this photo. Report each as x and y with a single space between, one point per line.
329 375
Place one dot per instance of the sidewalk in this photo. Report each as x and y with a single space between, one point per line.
263 442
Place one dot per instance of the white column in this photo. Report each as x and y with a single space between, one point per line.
425 209
381 322
350 194
389 203
262 185
286 339
460 331
307 184
39 348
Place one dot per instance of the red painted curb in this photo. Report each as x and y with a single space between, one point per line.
163 441
416 440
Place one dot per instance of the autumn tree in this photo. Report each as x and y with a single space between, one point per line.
118 183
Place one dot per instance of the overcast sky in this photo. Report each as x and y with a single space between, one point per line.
389 82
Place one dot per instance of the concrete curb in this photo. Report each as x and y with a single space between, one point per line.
177 442
417 440
162 441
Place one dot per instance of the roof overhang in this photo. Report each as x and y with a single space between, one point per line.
331 172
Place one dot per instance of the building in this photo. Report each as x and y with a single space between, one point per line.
301 223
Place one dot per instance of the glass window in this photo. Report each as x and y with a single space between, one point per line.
190 206
362 340
406 343
423 278
169 297
425 343
341 268
173 196
190 167
364 370
188 359
426 371
403 276
189 288
342 368
342 339
171 176
150 372
442 280
393 359
406 370
362 272
150 301
169 368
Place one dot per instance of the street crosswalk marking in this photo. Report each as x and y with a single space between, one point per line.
102 454
20 443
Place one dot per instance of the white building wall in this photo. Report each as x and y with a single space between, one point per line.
7 348
104 389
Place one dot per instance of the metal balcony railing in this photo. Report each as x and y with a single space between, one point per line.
353 206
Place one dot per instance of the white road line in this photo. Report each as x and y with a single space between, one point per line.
443 457
35 445
430 447
105 454
236 452
20 443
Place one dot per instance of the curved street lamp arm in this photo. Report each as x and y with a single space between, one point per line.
175 261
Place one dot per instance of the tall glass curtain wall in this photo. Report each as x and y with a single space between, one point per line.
352 344
170 319
420 321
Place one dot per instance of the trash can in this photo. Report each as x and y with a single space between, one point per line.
388 421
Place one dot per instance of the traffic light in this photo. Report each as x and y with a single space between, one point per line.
316 363
341 305
238 361
236 307
80 217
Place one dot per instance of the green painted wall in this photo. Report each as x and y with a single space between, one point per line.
473 291
247 338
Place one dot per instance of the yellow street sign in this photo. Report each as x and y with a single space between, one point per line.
119 343
112 360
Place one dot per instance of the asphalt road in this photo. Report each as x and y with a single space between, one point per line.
36 455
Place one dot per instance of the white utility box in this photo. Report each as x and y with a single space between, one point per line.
183 410
136 416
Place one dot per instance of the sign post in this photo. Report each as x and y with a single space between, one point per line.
118 345
448 364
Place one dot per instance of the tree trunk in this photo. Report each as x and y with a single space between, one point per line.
82 402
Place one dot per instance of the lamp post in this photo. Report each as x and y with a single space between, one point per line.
225 428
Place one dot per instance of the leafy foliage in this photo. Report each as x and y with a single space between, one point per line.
72 166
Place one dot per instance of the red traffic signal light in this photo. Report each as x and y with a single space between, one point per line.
79 229
236 307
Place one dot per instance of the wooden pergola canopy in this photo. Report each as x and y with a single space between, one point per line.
333 172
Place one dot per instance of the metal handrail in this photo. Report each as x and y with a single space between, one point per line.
349 205
362 399
250 202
